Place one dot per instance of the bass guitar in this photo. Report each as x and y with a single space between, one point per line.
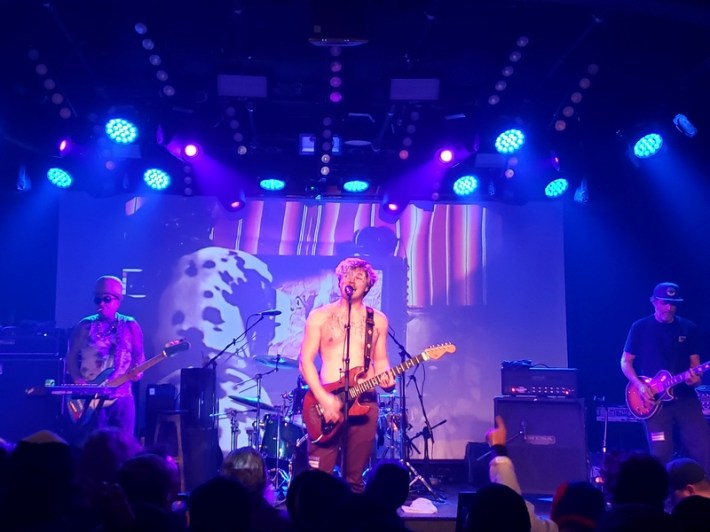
320 431
661 384
81 410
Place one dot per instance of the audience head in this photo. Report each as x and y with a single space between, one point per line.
686 477
497 507
247 466
692 513
635 518
388 484
103 452
220 504
315 500
147 478
40 477
637 478
577 505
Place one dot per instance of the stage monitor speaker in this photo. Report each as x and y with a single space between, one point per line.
24 415
478 455
197 396
547 441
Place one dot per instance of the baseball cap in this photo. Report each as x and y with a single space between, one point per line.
110 285
667 292
684 471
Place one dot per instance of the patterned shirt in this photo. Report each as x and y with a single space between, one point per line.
102 351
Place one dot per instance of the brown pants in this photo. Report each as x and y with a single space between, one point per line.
361 432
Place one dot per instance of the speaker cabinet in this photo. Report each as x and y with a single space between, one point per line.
547 441
23 415
197 396
203 456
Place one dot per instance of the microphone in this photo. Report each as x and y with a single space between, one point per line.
271 312
349 291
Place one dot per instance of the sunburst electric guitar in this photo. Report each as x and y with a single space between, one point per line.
320 431
662 385
82 410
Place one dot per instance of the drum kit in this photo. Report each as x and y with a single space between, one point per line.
280 435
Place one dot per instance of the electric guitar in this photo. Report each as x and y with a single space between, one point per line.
662 385
81 410
321 431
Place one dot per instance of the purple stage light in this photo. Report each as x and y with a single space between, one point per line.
445 156
191 150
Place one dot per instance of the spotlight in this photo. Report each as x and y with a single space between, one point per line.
272 184
356 186
121 131
556 188
59 178
156 179
510 141
648 145
64 146
465 185
445 156
191 150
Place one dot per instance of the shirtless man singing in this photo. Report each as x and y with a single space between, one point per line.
325 335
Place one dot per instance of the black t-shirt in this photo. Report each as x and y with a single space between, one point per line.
658 346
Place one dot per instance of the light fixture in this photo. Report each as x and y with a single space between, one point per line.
272 184
465 185
156 178
556 188
510 141
648 145
121 131
59 178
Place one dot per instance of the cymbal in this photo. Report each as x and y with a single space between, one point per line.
252 401
278 361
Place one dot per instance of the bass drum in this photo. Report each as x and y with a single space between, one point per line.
280 436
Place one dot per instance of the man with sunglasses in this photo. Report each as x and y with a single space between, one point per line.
103 347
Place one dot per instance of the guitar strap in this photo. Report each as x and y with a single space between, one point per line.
369 329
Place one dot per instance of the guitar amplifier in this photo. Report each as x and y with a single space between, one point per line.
33 341
526 381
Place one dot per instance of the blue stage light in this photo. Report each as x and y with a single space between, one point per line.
648 145
465 185
272 184
556 188
510 141
59 178
121 131
156 179
355 186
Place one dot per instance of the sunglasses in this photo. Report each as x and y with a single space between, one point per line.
104 299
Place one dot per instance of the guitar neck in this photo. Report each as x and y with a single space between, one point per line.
138 369
369 384
681 377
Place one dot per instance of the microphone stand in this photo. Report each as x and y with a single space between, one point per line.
213 362
346 389
405 441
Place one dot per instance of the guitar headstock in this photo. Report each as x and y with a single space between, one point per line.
439 350
176 346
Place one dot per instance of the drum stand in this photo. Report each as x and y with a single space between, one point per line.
279 478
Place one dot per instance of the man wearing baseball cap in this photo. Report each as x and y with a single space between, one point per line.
686 477
667 342
103 347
